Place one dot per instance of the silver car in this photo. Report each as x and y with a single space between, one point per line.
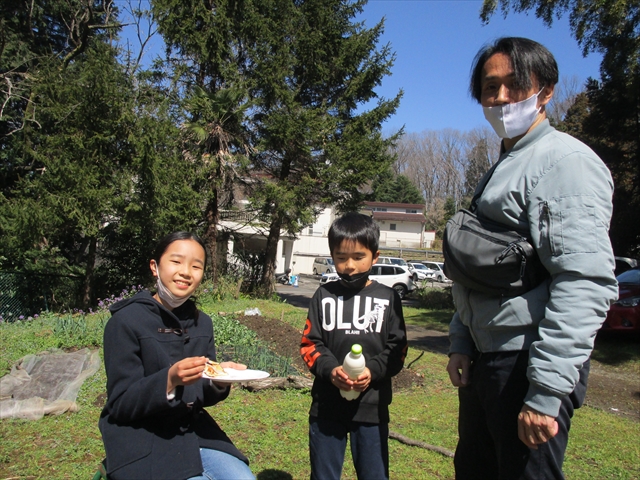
323 265
438 268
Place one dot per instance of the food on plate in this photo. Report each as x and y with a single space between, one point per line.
214 369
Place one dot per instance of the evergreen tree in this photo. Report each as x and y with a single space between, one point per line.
214 64
303 68
393 188
315 146
54 214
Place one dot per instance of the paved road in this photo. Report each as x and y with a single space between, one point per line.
418 337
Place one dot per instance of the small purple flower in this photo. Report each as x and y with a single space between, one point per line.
21 317
101 304
30 318
36 316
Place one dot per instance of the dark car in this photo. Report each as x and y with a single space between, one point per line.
624 314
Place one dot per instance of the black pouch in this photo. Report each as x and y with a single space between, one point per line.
489 257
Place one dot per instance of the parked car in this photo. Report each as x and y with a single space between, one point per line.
625 263
393 261
419 271
323 265
624 314
392 276
438 268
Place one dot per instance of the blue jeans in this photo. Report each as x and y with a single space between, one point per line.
328 442
222 466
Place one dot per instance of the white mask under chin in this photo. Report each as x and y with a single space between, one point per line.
513 119
166 296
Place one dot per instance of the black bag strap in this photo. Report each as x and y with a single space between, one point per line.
485 181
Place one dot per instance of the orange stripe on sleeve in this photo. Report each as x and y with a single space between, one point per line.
308 348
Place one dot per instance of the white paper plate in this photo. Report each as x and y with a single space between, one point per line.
235 376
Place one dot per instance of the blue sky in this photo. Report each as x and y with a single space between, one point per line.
435 43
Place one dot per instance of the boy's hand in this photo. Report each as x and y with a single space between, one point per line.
340 379
363 381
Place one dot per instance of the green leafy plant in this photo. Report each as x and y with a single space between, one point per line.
435 298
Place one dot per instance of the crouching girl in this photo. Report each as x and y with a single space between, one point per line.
154 425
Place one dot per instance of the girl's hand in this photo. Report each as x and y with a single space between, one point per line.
234 365
185 372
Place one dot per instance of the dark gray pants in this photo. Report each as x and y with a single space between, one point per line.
489 447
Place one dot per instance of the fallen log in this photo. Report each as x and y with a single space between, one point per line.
282 383
416 443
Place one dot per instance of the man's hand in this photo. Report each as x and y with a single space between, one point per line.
535 428
458 369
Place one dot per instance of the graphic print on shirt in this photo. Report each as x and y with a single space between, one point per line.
333 315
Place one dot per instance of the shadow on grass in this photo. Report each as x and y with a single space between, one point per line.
430 319
272 474
617 348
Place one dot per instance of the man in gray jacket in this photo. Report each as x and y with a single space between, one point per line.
522 362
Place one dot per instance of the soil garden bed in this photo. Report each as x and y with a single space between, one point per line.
285 340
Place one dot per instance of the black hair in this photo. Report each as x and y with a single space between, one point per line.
528 58
167 240
354 227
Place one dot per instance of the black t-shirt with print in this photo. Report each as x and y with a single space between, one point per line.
339 317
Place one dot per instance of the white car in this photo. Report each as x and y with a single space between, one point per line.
392 276
392 261
438 268
419 271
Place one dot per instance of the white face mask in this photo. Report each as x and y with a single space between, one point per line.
165 294
513 119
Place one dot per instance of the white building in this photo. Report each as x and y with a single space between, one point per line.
401 226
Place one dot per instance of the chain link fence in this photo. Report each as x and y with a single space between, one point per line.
27 294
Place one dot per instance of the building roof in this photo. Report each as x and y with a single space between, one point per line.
412 206
402 217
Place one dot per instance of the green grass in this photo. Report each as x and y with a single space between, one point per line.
428 318
271 426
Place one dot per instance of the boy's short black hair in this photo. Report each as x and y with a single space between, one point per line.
528 58
354 227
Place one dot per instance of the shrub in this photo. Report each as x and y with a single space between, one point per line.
434 298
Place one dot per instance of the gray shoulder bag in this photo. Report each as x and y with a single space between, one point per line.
487 256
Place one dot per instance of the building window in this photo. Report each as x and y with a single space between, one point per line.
408 210
379 209
392 226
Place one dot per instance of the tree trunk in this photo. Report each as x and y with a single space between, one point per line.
269 270
211 234
88 275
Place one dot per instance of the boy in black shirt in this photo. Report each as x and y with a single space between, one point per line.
352 310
